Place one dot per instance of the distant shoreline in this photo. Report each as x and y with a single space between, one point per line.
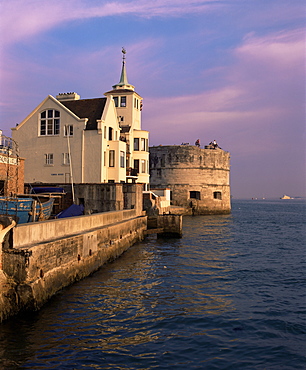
268 198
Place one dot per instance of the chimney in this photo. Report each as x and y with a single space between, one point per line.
68 96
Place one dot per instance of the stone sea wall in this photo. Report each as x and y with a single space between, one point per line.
199 179
44 257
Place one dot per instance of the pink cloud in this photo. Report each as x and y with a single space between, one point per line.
22 19
278 55
259 104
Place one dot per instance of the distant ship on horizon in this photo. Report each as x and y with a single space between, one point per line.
286 197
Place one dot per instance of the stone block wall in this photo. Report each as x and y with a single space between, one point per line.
45 257
109 197
198 178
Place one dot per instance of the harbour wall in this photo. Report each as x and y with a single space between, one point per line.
39 259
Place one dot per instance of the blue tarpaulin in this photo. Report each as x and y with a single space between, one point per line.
38 190
73 210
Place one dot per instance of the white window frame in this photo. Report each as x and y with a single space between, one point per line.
66 159
111 158
136 144
68 130
49 122
143 166
122 159
123 102
143 144
49 159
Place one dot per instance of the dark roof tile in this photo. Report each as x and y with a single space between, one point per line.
87 108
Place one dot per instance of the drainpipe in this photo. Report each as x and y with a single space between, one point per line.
70 164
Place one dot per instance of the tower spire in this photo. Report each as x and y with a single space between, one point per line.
123 83
123 77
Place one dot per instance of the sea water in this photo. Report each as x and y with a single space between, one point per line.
229 295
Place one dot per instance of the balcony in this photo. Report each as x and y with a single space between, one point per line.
132 172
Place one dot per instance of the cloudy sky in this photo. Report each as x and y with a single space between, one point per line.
231 70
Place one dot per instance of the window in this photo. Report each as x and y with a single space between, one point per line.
136 165
104 132
104 158
195 195
143 144
116 101
110 133
111 158
143 166
123 101
136 103
217 195
66 159
68 130
49 159
49 122
136 143
122 159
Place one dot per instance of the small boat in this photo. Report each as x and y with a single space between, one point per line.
26 210
286 197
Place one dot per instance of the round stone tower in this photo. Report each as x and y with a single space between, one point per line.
198 178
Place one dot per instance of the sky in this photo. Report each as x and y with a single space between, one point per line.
231 70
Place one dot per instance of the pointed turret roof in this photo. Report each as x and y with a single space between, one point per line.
123 83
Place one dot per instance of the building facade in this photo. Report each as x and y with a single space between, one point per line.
11 168
68 139
198 178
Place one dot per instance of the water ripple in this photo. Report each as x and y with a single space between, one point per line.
228 295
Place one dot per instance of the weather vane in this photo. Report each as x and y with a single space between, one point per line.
123 52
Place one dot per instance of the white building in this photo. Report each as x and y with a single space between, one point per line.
98 140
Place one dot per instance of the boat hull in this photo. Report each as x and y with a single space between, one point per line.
26 209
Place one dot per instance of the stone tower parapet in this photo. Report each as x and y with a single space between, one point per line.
199 179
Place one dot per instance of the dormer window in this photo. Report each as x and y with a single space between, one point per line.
49 122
